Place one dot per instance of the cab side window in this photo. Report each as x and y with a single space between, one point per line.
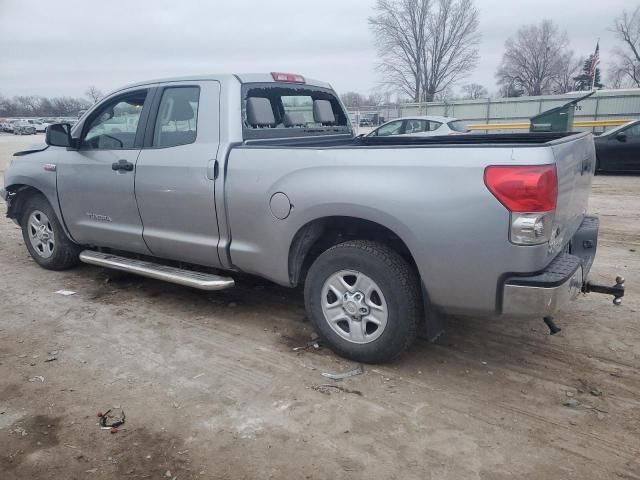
393 128
633 132
416 126
115 124
177 119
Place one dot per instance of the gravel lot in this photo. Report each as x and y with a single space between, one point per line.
212 389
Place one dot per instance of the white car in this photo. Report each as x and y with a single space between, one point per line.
39 125
421 126
23 127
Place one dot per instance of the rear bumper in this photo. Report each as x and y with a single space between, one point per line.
543 293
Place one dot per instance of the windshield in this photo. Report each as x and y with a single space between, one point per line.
276 110
458 126
617 129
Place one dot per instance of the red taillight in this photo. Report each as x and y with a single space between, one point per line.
287 77
524 188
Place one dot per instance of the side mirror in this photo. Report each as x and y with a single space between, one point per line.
59 135
621 137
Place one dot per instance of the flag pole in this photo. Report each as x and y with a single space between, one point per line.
595 60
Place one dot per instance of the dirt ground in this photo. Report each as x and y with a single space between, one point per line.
212 389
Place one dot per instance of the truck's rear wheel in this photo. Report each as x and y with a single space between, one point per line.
363 300
44 237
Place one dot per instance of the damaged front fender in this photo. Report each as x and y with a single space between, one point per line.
11 197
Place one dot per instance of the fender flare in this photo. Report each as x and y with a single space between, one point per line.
16 194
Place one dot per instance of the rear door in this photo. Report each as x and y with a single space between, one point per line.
96 181
177 170
416 127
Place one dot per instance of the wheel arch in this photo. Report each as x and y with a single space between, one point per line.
19 193
319 234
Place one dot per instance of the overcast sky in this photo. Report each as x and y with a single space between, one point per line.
60 47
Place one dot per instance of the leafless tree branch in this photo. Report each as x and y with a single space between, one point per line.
626 68
93 93
534 59
424 46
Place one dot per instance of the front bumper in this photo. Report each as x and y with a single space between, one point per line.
545 292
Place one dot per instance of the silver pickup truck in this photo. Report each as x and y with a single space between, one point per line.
192 179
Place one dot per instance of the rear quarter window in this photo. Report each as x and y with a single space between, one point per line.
458 126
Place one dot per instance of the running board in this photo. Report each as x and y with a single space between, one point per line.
188 278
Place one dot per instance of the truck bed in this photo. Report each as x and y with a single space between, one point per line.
429 191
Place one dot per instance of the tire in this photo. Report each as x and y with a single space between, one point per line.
44 237
378 336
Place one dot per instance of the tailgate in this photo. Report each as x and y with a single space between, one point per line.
575 165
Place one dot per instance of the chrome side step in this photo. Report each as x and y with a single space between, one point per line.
189 278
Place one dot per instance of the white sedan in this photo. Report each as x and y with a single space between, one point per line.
421 127
39 125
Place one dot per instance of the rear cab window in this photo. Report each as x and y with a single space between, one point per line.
281 110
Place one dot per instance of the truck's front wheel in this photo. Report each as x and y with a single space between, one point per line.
44 237
363 299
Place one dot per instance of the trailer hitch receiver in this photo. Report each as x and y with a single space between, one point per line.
617 290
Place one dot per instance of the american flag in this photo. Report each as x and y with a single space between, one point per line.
595 59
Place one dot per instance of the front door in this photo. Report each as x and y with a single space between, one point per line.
622 150
176 171
96 181
631 150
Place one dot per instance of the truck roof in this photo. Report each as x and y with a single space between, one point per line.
224 77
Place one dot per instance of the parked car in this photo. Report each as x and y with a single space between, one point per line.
420 127
262 174
618 150
39 125
23 127
7 127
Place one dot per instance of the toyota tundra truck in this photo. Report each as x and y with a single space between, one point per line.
192 180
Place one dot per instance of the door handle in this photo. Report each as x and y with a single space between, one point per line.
213 169
122 165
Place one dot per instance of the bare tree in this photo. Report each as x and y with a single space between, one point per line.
509 89
533 59
616 78
93 93
400 30
569 67
33 105
352 99
425 46
29 104
626 69
355 99
451 51
473 91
